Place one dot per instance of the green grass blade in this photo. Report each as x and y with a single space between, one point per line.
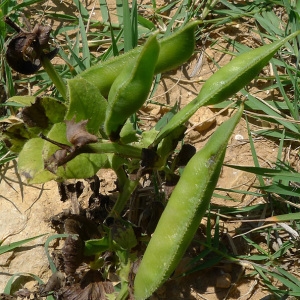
176 16
267 281
127 27
283 249
9 86
254 155
4 6
50 239
9 284
119 7
114 45
8 287
134 24
62 17
26 4
286 282
104 10
86 57
145 23
281 189
261 250
130 25
286 98
12 246
269 21
291 277
276 174
284 218
280 150
83 11
270 112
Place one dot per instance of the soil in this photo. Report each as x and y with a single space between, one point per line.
25 210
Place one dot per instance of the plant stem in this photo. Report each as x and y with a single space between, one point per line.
209 5
128 189
126 192
108 147
54 76
122 177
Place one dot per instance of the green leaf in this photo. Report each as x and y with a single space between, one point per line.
148 137
128 134
23 100
55 110
16 133
123 237
82 166
93 247
52 108
86 103
31 163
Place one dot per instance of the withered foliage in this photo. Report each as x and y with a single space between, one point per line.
22 293
35 115
75 280
77 134
66 190
26 48
91 287
150 216
55 282
80 230
72 253
7 297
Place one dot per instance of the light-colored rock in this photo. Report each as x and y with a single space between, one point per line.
24 213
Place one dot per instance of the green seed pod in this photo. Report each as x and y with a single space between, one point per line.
184 211
226 82
131 88
177 48
174 50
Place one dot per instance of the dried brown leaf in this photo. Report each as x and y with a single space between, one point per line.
72 253
77 134
91 287
55 282
35 115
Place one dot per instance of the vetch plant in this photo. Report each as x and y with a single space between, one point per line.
92 130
